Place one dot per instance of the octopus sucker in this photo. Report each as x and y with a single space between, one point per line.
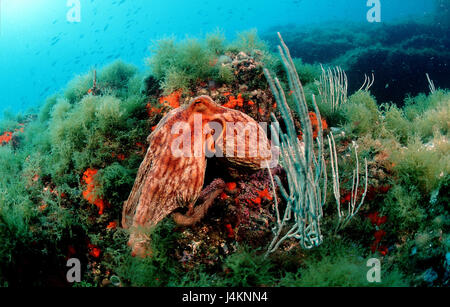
167 181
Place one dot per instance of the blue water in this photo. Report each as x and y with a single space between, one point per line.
40 51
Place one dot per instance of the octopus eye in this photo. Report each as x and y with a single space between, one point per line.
197 101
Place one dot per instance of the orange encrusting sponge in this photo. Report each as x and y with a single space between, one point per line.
6 137
89 193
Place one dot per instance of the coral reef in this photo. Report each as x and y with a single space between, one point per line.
84 151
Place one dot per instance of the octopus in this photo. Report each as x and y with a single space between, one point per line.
172 173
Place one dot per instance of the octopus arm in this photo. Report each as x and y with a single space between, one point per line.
155 139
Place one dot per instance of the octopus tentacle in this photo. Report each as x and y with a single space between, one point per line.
200 211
